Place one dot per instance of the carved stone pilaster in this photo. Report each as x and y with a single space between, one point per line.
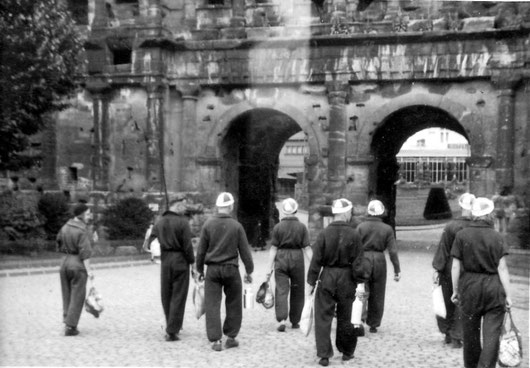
337 142
154 136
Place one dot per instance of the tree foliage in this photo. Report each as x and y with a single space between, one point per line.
40 50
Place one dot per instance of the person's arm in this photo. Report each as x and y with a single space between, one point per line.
201 251
504 276
455 276
315 266
186 242
308 251
442 255
272 257
391 246
88 268
245 254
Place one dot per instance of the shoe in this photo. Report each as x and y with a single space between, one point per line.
448 339
373 329
346 357
324 362
217 346
456 344
295 326
231 343
71 331
281 327
172 337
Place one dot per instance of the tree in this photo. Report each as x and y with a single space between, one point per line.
40 51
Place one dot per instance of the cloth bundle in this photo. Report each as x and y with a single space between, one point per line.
265 295
93 302
511 345
198 297
438 303
308 314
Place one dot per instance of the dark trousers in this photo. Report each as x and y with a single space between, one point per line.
174 282
336 291
219 278
452 323
376 287
483 302
73 287
289 279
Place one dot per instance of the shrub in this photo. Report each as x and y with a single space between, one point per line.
129 218
437 206
19 217
54 207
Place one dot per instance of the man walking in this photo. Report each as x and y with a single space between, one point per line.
174 235
376 236
337 266
74 240
221 243
289 245
451 325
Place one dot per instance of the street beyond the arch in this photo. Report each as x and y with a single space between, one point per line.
130 332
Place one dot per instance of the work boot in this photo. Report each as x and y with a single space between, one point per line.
217 346
373 329
172 337
346 357
324 362
281 327
71 331
456 344
231 343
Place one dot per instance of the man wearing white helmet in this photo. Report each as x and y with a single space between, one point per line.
451 325
337 265
222 242
481 284
376 237
289 244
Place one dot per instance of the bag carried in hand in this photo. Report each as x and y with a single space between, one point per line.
438 302
511 344
265 295
94 302
198 298
306 320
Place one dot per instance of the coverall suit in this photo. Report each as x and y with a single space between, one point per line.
73 239
338 265
290 236
376 236
483 298
174 235
451 325
222 240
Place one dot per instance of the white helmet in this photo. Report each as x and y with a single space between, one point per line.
375 208
465 201
289 206
224 199
341 205
482 206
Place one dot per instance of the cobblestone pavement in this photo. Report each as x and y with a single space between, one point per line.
131 329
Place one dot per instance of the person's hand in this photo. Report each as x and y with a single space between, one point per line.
201 277
455 298
397 277
309 289
436 278
248 278
508 302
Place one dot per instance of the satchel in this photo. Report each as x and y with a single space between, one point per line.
198 298
438 302
511 344
93 302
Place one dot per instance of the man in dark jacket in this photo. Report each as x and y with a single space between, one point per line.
174 235
376 236
74 240
337 266
221 243
451 325
289 246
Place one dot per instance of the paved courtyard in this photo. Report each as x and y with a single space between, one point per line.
130 332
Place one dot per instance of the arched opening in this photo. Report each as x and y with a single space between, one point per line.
250 150
387 141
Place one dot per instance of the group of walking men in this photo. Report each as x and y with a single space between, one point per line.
470 266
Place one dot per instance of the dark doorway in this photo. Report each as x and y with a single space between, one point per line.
250 164
387 141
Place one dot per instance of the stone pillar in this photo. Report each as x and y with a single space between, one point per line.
188 144
337 143
154 173
101 147
100 14
504 162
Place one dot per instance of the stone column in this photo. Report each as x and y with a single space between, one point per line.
100 14
337 143
100 154
154 173
504 162
189 138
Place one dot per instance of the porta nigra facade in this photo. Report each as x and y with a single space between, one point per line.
200 96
